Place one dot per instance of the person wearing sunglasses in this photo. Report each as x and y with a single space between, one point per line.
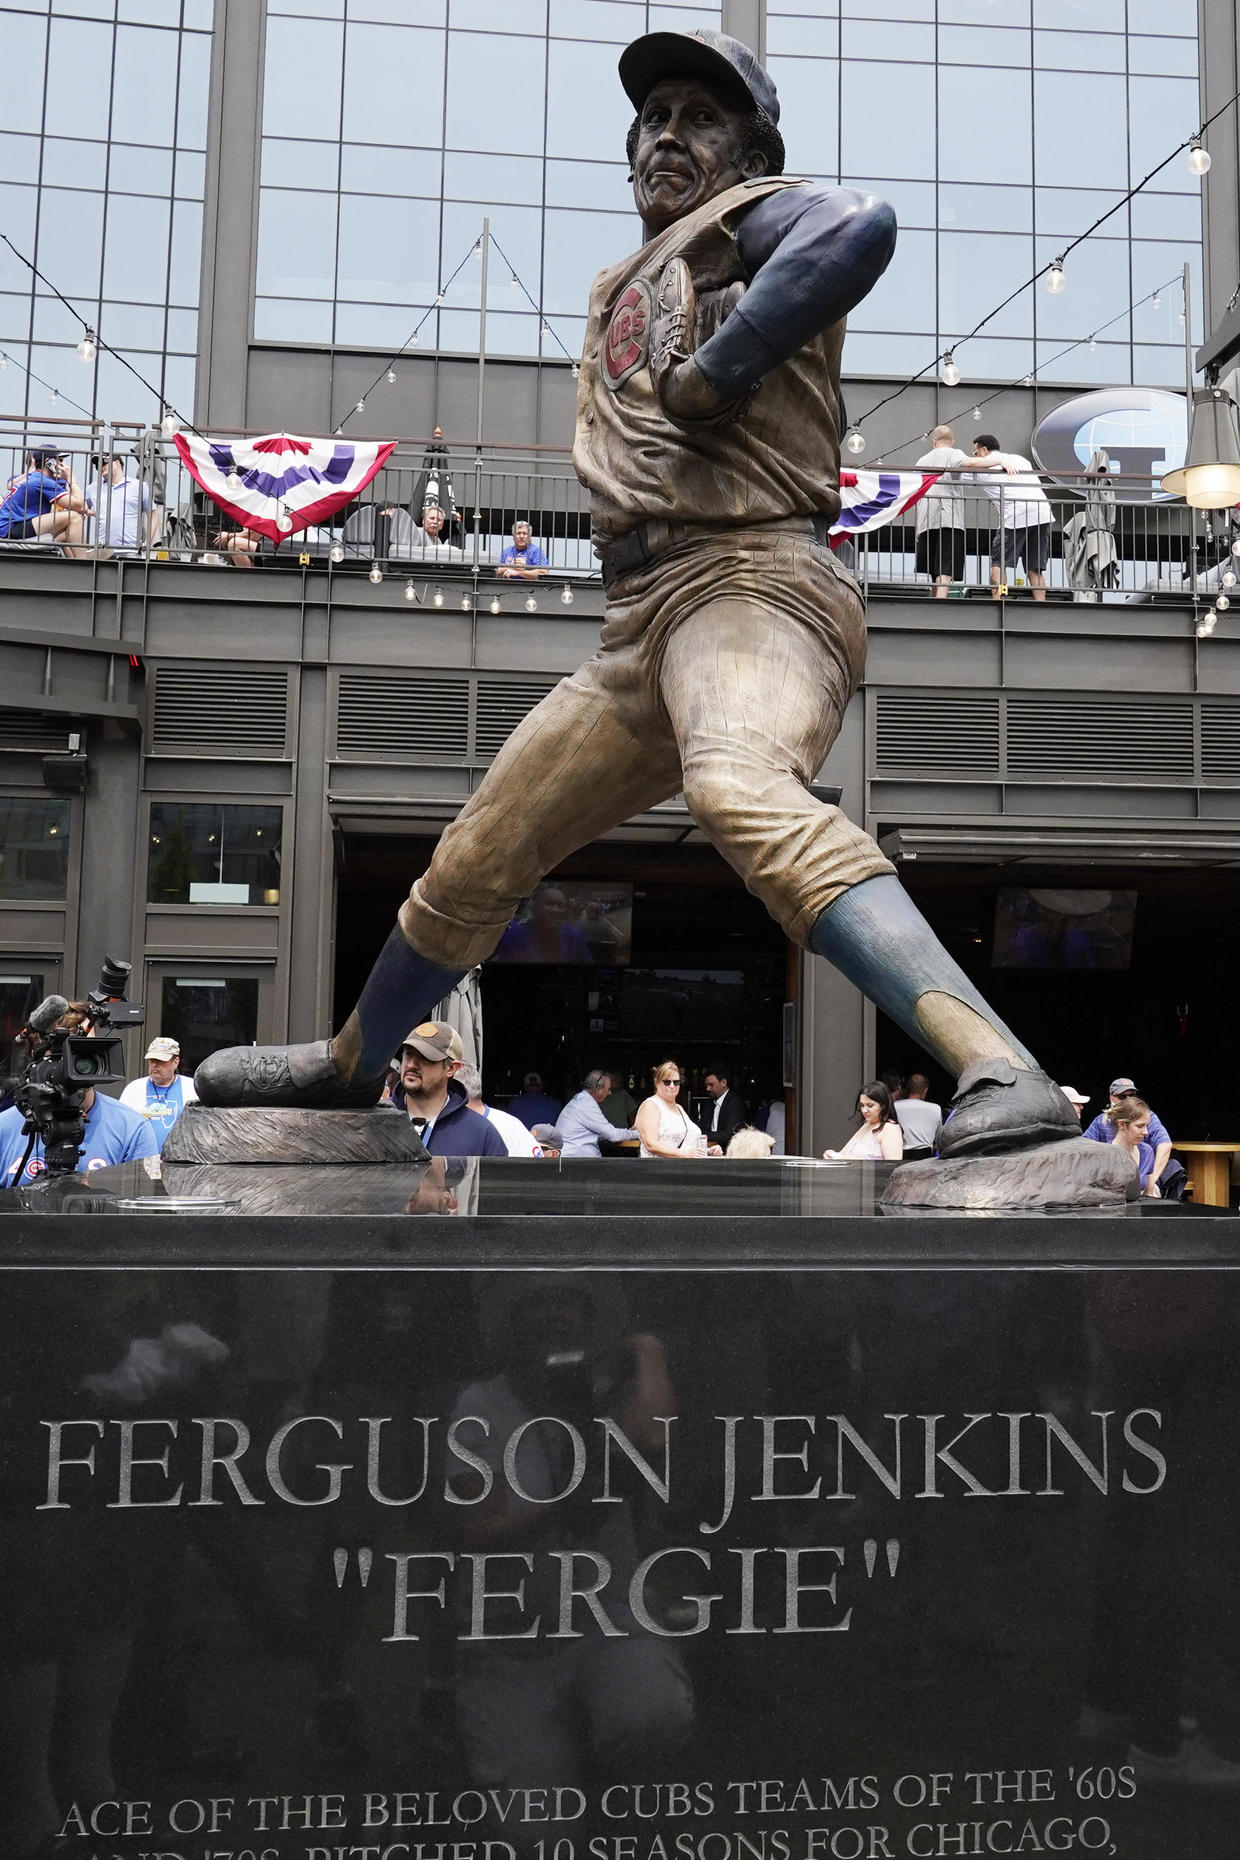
664 1126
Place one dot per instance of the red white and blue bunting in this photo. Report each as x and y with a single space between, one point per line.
285 483
870 499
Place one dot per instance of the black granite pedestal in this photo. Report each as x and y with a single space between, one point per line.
613 1512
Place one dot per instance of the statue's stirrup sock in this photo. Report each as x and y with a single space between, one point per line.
875 935
400 990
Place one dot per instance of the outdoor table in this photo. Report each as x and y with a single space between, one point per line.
1210 1179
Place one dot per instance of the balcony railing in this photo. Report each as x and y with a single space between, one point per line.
1156 549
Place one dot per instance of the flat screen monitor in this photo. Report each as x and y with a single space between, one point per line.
1063 929
577 920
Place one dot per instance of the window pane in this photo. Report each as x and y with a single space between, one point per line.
19 996
897 39
34 848
903 298
803 38
71 240
185 271
390 171
977 270
976 45
296 244
587 184
291 319
985 12
1082 129
492 177
587 112
384 68
201 847
144 85
388 249
301 79
25 49
579 245
1176 104
1098 15
1079 51
495 93
1162 16
809 91
136 171
300 164
1005 156
617 20
906 141
204 1012
977 209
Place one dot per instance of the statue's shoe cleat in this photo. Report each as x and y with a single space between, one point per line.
300 1077
998 1107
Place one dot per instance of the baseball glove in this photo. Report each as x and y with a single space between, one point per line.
682 323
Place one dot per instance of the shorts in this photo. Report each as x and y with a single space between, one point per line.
1031 546
24 531
941 551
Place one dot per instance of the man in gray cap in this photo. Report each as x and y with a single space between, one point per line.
708 424
163 1094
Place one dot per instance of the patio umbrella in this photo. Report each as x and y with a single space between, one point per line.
1089 536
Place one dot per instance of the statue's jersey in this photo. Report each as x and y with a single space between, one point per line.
780 459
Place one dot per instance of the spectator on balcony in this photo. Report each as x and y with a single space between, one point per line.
241 546
940 515
44 504
122 507
429 543
523 559
1025 516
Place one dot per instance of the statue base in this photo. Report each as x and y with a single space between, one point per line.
1073 1174
218 1134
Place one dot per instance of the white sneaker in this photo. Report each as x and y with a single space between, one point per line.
1193 1766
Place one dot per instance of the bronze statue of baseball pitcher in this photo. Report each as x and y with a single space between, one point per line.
708 425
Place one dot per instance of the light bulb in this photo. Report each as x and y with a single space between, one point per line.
1055 280
391 377
1156 302
339 432
464 603
1028 381
86 348
1093 344
495 604
4 361
169 422
576 371
1198 159
1222 603
54 397
514 284
950 372
566 599
284 522
855 441
411 593
360 407
531 605
376 573
1201 629
1180 319
1228 578
438 600
413 340
336 552
234 478
1235 547
977 413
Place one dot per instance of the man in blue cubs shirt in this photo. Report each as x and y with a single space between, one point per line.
114 1134
163 1094
46 500
522 560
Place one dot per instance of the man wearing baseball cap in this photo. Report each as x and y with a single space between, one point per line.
46 502
709 418
1102 1130
434 1099
163 1094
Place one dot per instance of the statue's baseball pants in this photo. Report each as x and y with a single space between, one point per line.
723 670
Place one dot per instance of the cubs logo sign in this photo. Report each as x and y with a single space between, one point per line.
628 335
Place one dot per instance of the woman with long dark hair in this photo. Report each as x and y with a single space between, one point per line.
879 1137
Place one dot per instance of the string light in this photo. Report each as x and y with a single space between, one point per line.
1199 159
576 371
855 441
284 521
1026 381
1093 344
1228 578
4 361
54 397
376 573
464 603
411 593
495 604
951 373
169 422
360 407
336 552
391 377
234 478
438 600
413 340
977 413
1056 283
88 348
1155 302
1222 603
566 599
531 605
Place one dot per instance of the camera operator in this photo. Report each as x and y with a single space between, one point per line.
113 1133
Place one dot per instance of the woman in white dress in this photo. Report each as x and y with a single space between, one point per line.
665 1127
880 1138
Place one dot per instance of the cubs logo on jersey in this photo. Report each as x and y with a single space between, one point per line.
627 343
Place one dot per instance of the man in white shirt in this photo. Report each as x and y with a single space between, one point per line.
921 1122
940 516
1025 516
120 505
582 1123
163 1094
511 1129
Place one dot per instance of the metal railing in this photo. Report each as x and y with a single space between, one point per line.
1129 545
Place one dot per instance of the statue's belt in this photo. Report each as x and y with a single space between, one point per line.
651 540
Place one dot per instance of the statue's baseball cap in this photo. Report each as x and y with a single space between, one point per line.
435 1039
712 56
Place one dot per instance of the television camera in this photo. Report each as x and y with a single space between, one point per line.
62 1066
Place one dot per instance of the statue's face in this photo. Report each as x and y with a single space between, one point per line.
687 151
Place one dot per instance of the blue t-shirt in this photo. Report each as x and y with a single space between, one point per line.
30 497
529 557
114 1134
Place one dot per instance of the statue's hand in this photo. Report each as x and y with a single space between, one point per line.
687 395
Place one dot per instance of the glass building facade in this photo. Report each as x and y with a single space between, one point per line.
1000 130
103 133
